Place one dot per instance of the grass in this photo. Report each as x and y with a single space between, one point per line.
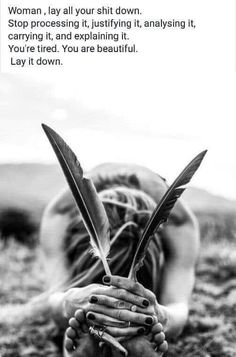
210 331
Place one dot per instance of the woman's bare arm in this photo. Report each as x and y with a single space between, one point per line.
180 240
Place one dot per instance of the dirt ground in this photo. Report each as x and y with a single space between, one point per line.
211 329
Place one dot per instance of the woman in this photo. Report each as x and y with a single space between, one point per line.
140 315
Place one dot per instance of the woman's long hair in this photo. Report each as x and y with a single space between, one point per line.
128 210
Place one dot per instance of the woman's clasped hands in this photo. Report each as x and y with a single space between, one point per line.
121 308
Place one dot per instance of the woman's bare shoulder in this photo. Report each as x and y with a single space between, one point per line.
130 174
62 203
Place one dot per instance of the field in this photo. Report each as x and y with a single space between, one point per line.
211 330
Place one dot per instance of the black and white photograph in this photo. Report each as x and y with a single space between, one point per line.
117 179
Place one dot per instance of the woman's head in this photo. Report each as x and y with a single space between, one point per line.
128 210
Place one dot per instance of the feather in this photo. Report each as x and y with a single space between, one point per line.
92 210
162 211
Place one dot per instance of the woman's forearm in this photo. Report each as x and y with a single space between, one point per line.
57 309
17 314
174 318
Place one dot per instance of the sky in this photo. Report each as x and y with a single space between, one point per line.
157 108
